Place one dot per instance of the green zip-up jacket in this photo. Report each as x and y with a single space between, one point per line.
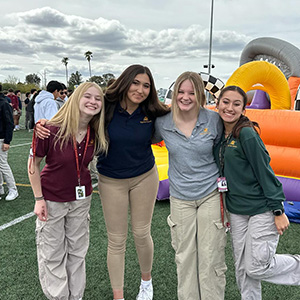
252 185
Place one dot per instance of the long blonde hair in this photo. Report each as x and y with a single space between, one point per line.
67 119
198 86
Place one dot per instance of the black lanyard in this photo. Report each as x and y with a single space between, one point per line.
223 146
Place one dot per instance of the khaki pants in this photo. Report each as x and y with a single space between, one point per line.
199 240
254 241
5 170
138 193
62 244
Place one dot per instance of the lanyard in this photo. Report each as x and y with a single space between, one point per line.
78 169
223 146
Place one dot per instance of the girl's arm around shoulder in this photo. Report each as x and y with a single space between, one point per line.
217 122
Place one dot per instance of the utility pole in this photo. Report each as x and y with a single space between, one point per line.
210 36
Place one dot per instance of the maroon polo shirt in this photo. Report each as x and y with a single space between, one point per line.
59 176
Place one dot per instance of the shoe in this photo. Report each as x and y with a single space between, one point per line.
12 195
145 293
2 191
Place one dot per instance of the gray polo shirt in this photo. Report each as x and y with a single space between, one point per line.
192 169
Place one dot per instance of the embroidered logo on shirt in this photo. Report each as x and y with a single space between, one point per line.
146 120
232 144
205 131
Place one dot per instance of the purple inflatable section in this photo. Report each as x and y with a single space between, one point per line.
291 188
163 190
260 101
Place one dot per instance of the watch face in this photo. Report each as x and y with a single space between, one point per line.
277 212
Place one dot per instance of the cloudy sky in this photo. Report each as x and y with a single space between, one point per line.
169 36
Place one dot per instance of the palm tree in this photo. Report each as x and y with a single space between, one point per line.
88 55
65 61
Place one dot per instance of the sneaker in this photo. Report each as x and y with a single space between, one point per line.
12 195
145 293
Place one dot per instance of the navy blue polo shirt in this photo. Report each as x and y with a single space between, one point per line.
129 153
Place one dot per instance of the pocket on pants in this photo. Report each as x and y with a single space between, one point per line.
220 235
221 270
263 247
173 228
39 239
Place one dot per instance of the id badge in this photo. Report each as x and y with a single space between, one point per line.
222 184
80 192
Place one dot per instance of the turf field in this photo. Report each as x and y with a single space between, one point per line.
18 267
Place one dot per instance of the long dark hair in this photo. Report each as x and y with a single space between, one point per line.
243 120
117 92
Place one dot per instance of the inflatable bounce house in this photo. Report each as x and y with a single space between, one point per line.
270 67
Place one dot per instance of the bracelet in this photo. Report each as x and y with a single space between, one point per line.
39 198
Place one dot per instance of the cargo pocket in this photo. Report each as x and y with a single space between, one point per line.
263 247
39 238
173 228
221 237
221 270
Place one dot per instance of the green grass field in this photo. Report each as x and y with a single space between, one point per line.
18 266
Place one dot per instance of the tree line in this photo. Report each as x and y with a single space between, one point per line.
34 81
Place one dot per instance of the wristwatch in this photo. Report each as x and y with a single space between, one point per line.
278 212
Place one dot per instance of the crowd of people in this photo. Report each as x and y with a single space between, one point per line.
219 173
11 111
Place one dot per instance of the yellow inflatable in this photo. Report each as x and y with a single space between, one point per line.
262 75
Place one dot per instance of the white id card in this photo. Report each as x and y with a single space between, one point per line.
80 192
222 184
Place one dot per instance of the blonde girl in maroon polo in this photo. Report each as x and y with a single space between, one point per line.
62 191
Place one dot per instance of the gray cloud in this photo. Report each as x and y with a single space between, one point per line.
43 17
10 68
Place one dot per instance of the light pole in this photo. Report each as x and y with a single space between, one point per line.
42 78
210 37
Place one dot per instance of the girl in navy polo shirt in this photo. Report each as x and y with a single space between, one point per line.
63 191
127 174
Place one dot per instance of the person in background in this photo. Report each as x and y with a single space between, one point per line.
17 125
30 110
69 93
45 106
6 133
26 101
63 191
32 93
198 234
15 105
128 175
254 200
62 98
6 97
